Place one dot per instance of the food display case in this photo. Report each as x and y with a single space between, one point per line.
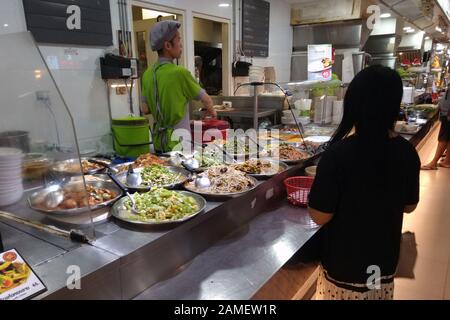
42 180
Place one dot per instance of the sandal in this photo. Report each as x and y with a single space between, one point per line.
428 167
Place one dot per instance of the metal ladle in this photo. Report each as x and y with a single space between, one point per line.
53 199
134 179
201 182
125 190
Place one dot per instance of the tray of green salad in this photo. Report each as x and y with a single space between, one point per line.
159 206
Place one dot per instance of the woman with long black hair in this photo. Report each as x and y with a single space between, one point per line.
366 179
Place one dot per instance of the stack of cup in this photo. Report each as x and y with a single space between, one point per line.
11 187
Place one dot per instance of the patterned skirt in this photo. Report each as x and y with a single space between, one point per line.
328 290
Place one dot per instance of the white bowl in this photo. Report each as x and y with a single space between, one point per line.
311 171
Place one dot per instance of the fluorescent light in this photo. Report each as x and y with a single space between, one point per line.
410 30
385 15
224 5
407 28
6 25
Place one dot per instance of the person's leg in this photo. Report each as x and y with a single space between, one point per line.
442 145
432 165
446 162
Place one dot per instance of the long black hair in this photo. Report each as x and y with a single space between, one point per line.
371 108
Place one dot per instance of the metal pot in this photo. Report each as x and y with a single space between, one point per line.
15 139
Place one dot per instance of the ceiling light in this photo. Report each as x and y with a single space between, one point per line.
427 38
224 5
6 25
410 30
385 15
406 28
438 29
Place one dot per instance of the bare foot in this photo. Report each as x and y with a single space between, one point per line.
444 165
430 166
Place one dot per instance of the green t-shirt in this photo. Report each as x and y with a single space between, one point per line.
176 87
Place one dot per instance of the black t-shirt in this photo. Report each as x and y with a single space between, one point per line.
368 214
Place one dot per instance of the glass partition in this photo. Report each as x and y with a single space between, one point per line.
41 172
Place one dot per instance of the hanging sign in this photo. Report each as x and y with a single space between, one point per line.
320 62
77 22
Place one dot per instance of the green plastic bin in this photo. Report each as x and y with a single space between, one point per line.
131 136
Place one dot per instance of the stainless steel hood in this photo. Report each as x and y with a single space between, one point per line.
342 35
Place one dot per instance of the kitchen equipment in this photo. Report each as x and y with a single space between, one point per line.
74 235
201 182
190 186
38 199
120 212
131 136
184 176
298 189
15 139
36 165
125 190
277 164
209 130
53 199
134 179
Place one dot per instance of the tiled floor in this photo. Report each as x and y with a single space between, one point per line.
430 223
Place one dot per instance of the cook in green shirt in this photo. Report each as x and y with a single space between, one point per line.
166 95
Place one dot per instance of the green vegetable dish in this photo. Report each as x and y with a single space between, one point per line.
161 205
208 159
159 176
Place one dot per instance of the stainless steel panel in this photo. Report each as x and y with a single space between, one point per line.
341 35
35 251
99 271
380 44
235 267
299 66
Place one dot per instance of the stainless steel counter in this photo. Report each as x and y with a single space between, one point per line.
228 252
125 261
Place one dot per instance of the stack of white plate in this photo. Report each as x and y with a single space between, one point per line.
11 187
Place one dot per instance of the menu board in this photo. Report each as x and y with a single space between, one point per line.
255 28
320 62
17 279
77 22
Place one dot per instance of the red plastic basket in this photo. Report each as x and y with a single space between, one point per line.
298 189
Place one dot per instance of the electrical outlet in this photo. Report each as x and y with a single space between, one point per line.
42 95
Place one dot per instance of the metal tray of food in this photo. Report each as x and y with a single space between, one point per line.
71 167
120 212
183 173
36 200
190 186
281 167
306 156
